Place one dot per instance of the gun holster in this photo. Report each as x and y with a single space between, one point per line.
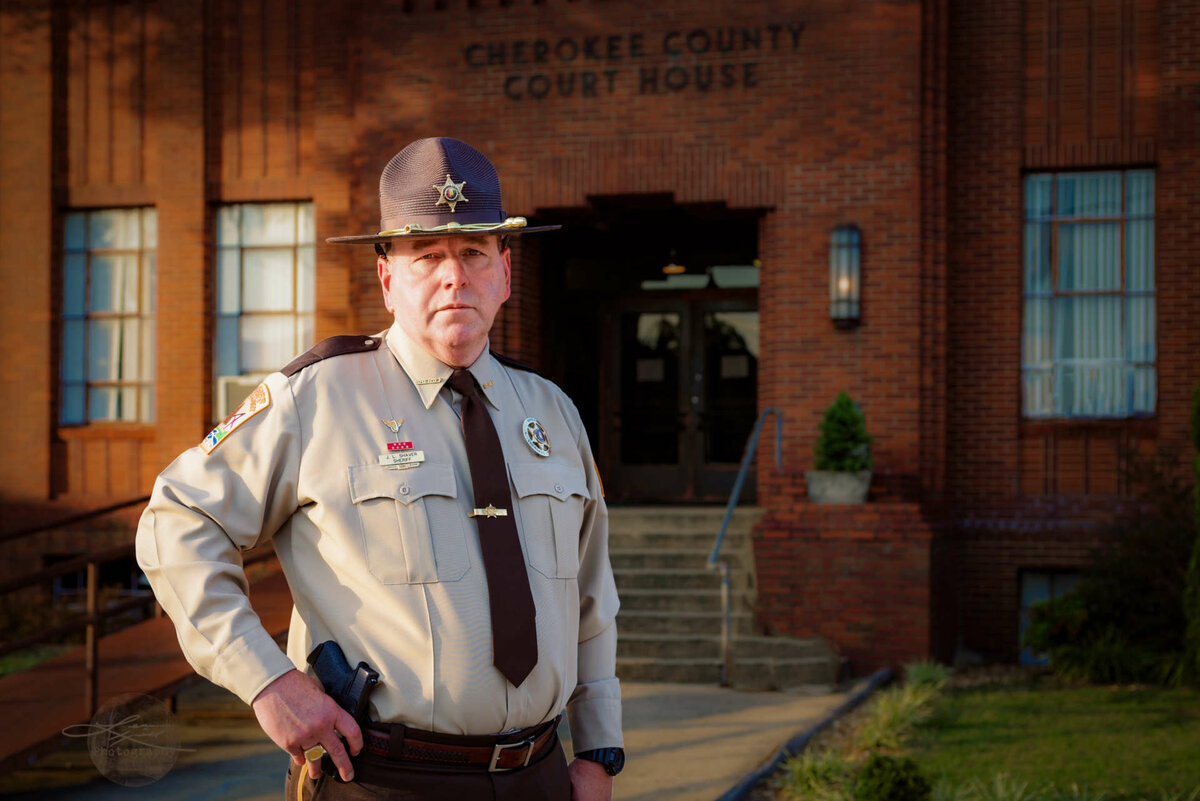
349 687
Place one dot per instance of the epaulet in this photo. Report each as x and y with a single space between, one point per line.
511 362
334 346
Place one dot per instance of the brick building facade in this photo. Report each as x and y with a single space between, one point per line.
729 139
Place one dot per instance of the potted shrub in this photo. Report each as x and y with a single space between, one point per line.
843 473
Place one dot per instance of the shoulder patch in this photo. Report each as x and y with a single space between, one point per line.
510 362
258 400
334 346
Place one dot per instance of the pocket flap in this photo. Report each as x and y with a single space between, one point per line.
559 480
369 481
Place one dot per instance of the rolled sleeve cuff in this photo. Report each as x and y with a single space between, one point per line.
249 664
596 721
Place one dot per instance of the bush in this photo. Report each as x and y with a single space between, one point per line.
926 673
1190 664
888 778
845 445
1125 621
819 776
897 711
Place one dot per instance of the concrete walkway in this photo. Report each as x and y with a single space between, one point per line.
686 742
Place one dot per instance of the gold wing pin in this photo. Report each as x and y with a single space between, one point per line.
394 425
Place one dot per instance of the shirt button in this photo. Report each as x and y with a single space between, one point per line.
404 490
369 342
558 487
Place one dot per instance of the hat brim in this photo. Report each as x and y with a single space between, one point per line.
373 239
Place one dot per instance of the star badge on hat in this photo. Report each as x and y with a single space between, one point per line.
450 193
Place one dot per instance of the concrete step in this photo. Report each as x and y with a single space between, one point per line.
667 539
706 645
670 619
693 526
629 578
638 621
696 558
683 516
669 646
784 674
682 600
753 646
757 663
691 671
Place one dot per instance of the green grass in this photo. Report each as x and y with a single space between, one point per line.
30 657
1119 742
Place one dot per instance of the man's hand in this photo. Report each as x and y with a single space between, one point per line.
589 781
295 712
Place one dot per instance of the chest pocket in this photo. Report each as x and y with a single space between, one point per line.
552 498
411 524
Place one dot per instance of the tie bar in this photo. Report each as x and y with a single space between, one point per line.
490 511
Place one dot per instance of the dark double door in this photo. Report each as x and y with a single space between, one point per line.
680 395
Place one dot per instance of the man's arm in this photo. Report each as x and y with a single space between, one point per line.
207 507
594 709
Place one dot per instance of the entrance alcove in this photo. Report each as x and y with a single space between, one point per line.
650 322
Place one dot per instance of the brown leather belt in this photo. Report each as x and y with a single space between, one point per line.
496 753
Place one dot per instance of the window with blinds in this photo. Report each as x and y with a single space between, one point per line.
1088 336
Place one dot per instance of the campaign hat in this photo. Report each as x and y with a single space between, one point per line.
440 187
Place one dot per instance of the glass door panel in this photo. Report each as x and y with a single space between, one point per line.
731 381
651 344
647 434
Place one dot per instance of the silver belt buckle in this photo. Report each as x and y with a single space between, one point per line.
498 748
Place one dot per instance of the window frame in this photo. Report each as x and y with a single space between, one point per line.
145 381
294 312
1055 578
1054 220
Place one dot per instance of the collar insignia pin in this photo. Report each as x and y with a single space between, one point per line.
450 193
535 437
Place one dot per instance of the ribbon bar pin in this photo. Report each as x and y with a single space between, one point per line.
490 511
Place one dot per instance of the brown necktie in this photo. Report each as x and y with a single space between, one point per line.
514 635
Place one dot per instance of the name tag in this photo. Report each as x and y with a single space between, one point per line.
401 458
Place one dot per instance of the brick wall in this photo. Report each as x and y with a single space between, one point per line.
27 234
857 576
913 120
1103 89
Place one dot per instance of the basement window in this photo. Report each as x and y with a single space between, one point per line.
1041 586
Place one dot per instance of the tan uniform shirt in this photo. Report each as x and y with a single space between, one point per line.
384 560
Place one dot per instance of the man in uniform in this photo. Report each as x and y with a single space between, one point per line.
438 515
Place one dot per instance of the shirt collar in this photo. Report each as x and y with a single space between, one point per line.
486 370
429 373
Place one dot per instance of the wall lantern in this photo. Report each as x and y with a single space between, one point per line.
845 276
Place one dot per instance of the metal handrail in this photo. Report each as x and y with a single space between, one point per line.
93 618
714 562
67 521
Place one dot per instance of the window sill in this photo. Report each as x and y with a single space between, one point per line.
1143 426
107 430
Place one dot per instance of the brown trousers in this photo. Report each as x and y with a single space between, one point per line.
379 779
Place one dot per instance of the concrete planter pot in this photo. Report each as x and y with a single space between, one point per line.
828 486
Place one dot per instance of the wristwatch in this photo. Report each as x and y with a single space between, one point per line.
612 759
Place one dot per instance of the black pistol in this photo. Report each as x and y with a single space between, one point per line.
350 687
